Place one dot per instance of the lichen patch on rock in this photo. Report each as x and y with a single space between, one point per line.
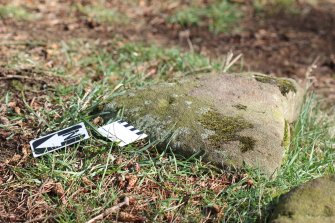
226 129
284 85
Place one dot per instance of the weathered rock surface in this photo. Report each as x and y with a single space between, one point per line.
310 203
230 119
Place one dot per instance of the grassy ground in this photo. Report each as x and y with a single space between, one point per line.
75 184
221 16
49 85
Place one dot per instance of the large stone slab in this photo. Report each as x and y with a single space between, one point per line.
230 119
309 203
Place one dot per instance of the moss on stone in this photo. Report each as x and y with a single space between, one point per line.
164 103
248 143
287 135
240 107
173 108
226 129
165 108
284 85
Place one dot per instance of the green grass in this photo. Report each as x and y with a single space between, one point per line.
15 12
168 187
221 16
182 188
101 14
134 63
188 17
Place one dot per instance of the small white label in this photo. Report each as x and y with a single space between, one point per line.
59 139
121 132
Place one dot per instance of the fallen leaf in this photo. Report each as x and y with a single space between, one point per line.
127 217
14 159
97 121
250 183
3 109
212 210
17 110
87 182
12 104
57 188
132 179
4 120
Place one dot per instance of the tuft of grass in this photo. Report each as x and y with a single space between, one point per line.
220 16
101 14
191 16
15 12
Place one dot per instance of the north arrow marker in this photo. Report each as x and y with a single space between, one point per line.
59 139
54 141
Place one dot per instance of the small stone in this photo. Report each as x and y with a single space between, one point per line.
98 120
311 202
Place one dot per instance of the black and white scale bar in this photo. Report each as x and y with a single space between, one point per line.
121 132
59 139
130 127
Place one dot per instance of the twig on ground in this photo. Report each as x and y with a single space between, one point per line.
230 61
110 211
32 78
14 77
201 70
309 79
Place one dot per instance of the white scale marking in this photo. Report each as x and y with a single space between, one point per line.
121 132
